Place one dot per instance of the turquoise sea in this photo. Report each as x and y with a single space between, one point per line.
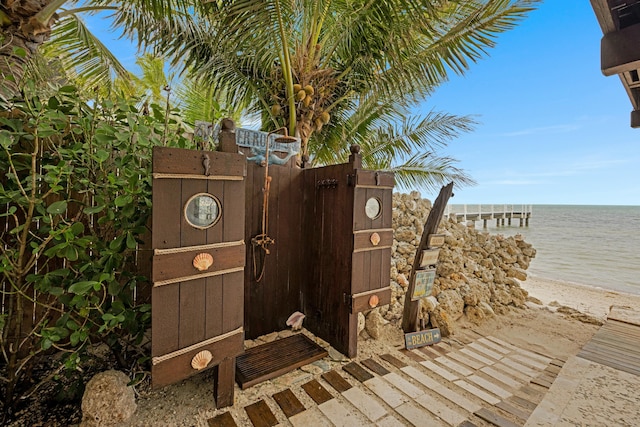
598 246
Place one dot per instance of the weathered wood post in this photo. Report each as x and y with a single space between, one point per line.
410 312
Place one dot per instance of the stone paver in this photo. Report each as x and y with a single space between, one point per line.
528 361
448 415
504 379
443 391
418 416
311 417
489 386
384 391
485 351
340 415
403 385
477 356
477 392
502 343
535 356
494 346
530 372
438 370
512 372
466 360
366 404
389 421
445 361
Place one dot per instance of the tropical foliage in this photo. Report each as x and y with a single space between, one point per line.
342 72
335 72
75 182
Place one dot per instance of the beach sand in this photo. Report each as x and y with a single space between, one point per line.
586 299
541 328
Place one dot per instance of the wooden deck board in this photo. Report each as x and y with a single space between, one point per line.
393 361
273 359
260 414
288 402
357 371
617 345
375 367
222 420
336 381
317 392
411 355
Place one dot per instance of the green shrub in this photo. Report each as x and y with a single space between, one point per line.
75 203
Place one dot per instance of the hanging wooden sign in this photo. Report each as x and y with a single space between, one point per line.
435 240
429 257
423 283
422 338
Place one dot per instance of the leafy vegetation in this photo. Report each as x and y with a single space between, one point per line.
76 199
343 72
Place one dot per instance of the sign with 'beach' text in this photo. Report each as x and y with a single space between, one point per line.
422 338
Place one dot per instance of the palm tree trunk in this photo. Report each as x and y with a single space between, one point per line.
24 26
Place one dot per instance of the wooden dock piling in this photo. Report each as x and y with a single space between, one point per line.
486 213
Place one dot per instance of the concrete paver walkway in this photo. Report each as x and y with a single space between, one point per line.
483 382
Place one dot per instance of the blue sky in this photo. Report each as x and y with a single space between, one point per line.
552 129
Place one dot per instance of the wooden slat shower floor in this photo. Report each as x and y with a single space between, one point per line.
617 343
273 359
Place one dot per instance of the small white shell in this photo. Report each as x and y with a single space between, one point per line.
203 261
295 320
375 239
201 360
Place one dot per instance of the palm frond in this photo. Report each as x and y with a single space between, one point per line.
424 171
86 59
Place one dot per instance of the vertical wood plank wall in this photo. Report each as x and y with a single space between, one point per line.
328 247
315 215
269 302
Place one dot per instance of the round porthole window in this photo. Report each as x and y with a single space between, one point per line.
373 208
202 210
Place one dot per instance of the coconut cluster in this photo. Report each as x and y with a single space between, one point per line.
478 274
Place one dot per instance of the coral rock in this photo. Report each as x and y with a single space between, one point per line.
107 400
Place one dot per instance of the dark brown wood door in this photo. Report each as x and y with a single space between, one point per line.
198 261
372 240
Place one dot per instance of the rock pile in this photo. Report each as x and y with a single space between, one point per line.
478 274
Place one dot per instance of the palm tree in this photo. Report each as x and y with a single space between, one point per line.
27 26
340 71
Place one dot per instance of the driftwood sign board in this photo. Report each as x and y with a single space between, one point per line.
411 305
422 338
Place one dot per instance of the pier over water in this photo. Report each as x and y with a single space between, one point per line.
486 213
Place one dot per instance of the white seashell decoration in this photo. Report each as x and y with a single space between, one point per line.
295 321
374 301
203 261
201 360
375 239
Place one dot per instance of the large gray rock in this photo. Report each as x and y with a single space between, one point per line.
107 400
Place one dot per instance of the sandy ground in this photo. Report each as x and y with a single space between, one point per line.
593 301
543 328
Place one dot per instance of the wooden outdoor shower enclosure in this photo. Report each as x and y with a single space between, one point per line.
330 257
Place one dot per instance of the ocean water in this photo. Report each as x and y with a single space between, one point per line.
597 246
